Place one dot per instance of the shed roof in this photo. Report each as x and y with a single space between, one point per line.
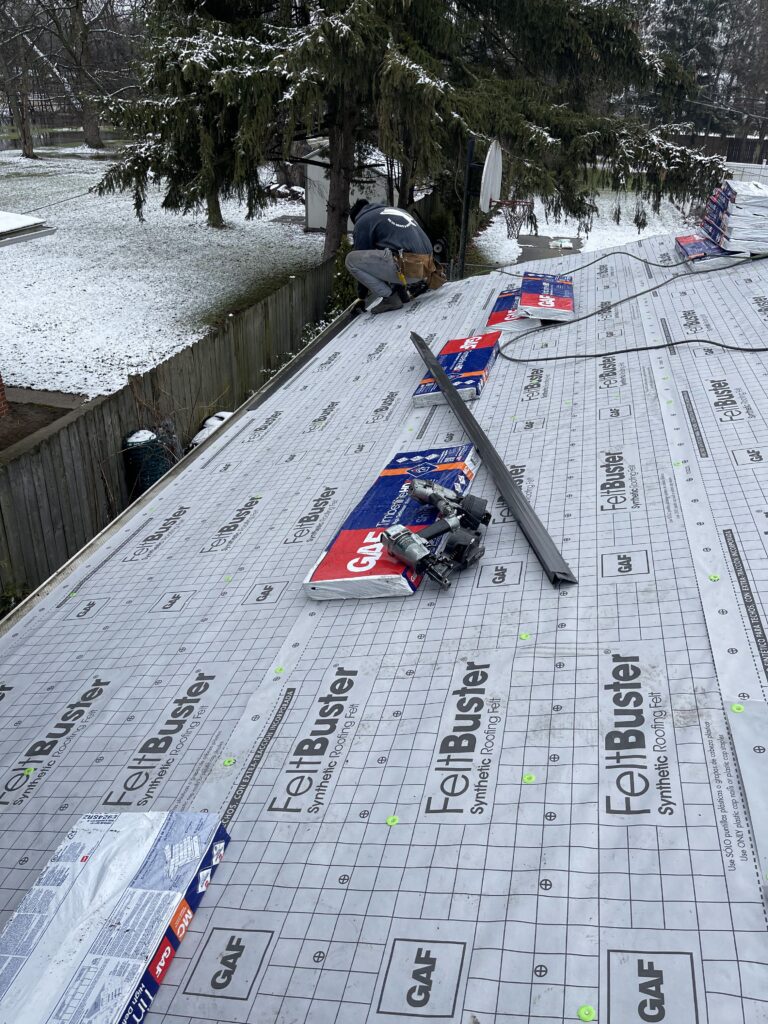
17 227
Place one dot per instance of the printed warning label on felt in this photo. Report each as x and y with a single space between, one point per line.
731 816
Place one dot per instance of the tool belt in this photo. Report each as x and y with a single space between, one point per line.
420 267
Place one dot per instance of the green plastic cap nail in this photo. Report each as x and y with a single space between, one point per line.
229 761
714 577
392 820
587 1013
525 636
738 708
528 778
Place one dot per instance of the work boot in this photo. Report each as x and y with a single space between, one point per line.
402 293
385 304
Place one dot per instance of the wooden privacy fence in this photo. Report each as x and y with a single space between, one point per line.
734 149
62 485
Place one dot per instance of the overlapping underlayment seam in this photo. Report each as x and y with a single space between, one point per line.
736 630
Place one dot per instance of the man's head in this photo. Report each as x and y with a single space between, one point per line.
357 209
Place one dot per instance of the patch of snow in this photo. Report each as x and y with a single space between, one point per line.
493 244
208 427
606 232
47 152
495 247
419 76
542 135
108 296
141 437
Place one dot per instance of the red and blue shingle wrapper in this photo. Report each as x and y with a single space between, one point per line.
467 362
94 937
547 297
355 564
505 315
701 252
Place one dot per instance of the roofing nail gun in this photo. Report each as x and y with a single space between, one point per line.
462 517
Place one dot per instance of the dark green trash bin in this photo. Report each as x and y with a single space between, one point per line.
148 455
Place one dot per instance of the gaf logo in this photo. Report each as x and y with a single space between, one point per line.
228 966
161 961
424 979
88 608
265 590
651 984
173 600
651 987
627 562
228 963
499 574
419 994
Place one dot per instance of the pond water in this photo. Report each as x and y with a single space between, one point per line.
54 138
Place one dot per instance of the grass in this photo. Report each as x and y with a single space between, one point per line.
107 296
218 314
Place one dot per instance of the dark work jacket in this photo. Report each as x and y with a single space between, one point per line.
385 227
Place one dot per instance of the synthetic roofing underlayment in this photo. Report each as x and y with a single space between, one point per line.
598 848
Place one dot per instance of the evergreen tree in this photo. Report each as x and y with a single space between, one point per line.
230 84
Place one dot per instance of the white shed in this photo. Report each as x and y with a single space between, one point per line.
317 185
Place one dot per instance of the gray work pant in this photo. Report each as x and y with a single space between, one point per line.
376 269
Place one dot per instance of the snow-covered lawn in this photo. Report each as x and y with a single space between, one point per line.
107 295
494 246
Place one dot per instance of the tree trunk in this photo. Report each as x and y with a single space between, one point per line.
25 125
215 216
12 85
90 118
23 128
390 182
341 138
81 46
405 183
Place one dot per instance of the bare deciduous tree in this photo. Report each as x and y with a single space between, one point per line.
66 56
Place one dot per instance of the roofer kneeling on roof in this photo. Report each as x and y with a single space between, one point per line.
390 252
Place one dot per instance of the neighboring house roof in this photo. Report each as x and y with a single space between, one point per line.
16 227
